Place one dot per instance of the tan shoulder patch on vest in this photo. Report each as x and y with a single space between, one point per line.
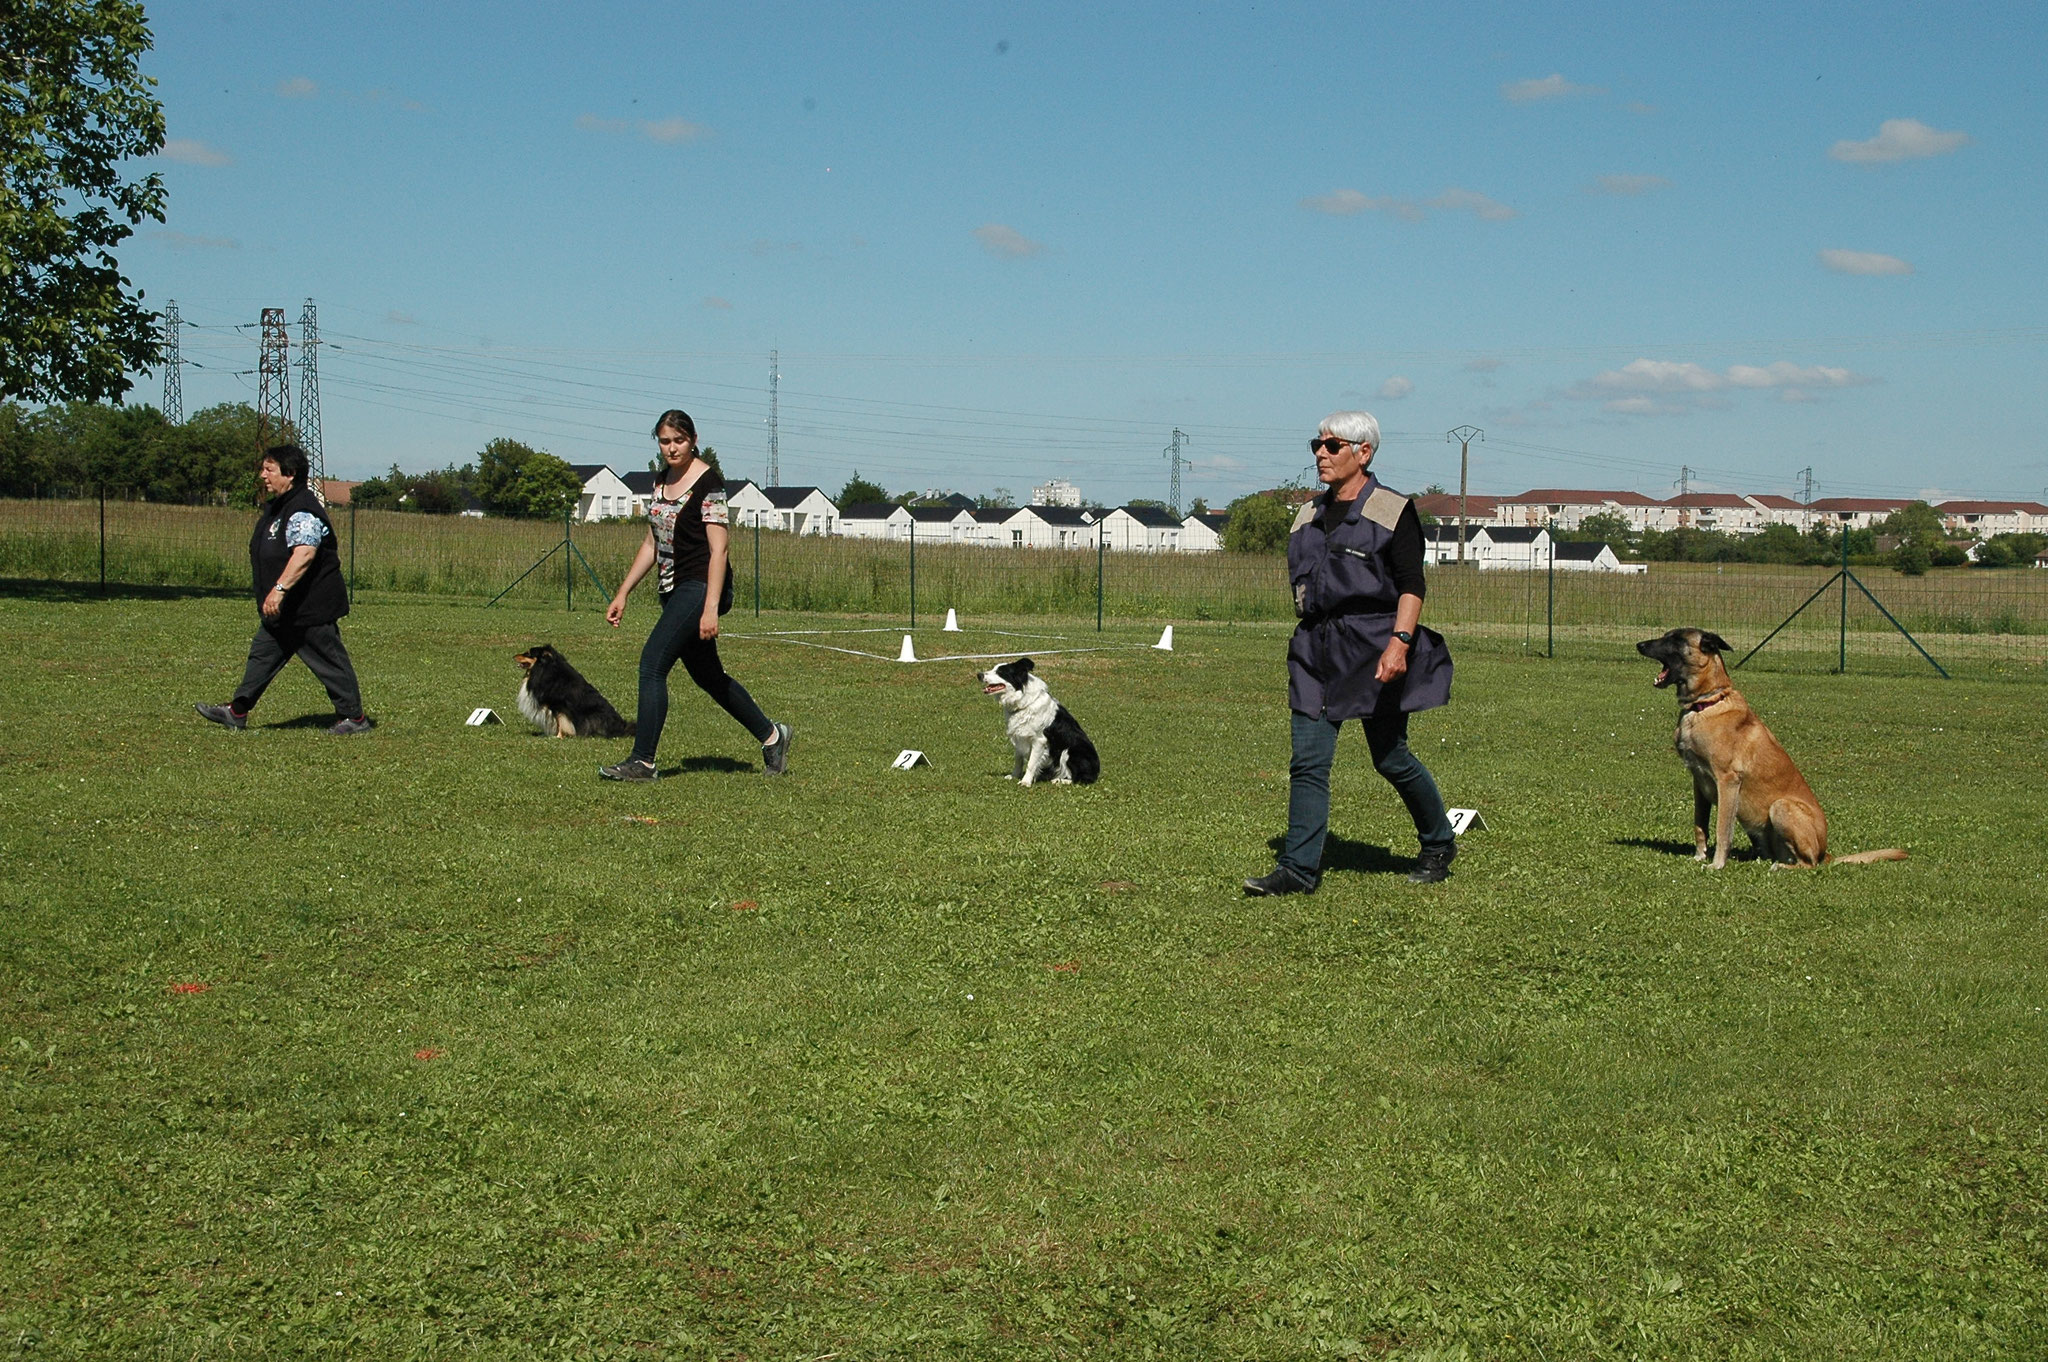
1384 507
1303 516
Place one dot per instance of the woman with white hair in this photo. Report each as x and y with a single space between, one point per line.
1355 557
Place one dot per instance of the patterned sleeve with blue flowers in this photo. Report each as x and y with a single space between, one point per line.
304 530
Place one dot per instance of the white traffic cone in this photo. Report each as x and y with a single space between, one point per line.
1165 643
952 622
907 655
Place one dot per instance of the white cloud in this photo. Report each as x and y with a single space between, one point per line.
674 130
1657 387
1863 262
1395 388
1007 242
179 241
1349 203
1899 139
1628 186
1552 86
298 87
188 151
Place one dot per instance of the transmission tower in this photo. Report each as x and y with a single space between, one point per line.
1464 435
1684 491
309 398
1806 496
1172 452
174 382
273 382
774 419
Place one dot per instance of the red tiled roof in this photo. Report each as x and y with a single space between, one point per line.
1710 501
1859 504
1990 507
1558 496
1775 502
1444 505
336 492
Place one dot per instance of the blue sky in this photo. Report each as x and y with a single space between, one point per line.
995 244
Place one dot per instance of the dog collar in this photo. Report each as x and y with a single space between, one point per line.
1708 702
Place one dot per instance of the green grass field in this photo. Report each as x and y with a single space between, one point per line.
493 1059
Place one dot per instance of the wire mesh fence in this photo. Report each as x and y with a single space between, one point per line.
1975 622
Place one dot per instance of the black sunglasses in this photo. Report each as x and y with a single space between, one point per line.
1330 444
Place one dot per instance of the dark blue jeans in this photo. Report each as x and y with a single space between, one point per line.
675 640
1308 788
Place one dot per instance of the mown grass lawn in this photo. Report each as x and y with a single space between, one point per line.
494 1059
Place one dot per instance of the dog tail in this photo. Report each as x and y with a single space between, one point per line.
1868 857
632 724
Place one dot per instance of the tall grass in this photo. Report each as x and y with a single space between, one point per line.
1996 617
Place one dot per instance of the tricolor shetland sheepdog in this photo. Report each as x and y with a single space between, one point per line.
1050 745
560 703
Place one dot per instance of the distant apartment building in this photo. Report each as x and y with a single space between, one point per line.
1058 492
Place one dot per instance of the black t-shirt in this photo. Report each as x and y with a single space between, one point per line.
1404 550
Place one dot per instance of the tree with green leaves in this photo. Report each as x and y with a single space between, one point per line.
1258 524
858 491
74 106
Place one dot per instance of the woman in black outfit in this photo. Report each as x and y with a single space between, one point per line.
300 597
686 546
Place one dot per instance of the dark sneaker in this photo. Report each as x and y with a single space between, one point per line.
223 716
359 724
1433 866
630 769
1279 880
775 756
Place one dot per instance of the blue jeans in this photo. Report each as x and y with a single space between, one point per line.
1308 787
675 640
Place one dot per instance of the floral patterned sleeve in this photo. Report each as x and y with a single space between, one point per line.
714 508
304 530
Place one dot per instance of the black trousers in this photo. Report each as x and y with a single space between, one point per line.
318 646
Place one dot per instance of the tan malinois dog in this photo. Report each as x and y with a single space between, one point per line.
1736 763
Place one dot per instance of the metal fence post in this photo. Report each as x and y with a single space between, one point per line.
351 548
1550 607
1842 659
1099 547
757 565
913 574
568 560
103 539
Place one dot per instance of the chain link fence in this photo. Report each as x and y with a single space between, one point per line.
1974 622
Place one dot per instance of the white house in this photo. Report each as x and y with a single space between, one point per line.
1723 511
793 510
1780 510
1058 492
1506 546
1986 518
1050 527
874 520
605 495
1593 557
943 524
1141 529
1203 533
1855 513
641 487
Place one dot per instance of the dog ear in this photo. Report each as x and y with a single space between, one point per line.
1714 643
1024 663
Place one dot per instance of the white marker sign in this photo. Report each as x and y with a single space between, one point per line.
907 759
1464 820
480 716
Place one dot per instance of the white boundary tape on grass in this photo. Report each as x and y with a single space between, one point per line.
790 636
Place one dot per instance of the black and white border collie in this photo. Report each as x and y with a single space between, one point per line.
1050 745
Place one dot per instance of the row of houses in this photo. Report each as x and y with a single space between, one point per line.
809 511
1728 512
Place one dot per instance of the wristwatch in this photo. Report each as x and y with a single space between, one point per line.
1405 637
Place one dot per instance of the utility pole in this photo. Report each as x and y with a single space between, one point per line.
774 419
309 400
1464 435
273 382
174 382
1172 452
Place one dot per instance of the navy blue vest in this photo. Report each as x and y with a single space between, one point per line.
1345 598
321 596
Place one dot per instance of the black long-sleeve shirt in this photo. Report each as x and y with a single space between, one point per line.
1404 550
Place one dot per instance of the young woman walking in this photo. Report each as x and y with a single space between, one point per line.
687 547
